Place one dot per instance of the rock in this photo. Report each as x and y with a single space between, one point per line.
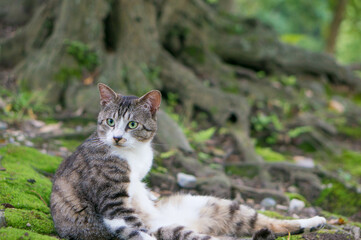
304 161
186 180
296 205
3 125
28 225
170 135
268 202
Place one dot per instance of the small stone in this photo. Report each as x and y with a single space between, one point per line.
28 225
268 202
3 125
186 180
304 161
29 143
296 205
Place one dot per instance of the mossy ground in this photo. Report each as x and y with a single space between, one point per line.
25 190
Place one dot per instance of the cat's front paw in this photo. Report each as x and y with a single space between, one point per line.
312 224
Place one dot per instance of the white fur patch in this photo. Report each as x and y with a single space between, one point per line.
114 224
315 222
146 236
184 212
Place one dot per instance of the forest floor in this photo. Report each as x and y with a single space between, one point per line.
309 139
25 180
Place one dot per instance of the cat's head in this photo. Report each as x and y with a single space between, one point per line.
127 121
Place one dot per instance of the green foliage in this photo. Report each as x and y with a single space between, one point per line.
23 104
83 54
334 197
348 48
203 135
296 132
269 124
353 132
10 233
39 222
85 57
269 155
302 23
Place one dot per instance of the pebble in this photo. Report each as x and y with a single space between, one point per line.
3 125
28 225
186 180
296 205
268 202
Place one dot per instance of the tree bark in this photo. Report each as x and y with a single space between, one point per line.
338 15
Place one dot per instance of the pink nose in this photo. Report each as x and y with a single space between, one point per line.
117 139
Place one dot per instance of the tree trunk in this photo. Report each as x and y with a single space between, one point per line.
338 15
184 47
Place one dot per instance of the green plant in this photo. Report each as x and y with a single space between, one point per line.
85 57
23 104
270 125
269 155
296 132
83 54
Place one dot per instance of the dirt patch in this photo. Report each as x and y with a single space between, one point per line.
327 236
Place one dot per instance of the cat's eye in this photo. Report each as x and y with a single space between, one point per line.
132 125
111 122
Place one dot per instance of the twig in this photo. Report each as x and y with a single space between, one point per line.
40 197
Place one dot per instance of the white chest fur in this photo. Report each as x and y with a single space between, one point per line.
140 160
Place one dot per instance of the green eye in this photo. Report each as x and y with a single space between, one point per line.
132 124
110 122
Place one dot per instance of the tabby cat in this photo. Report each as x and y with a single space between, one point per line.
98 191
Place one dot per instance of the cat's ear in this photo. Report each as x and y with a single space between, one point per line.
151 100
107 95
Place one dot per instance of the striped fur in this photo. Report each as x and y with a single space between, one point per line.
98 191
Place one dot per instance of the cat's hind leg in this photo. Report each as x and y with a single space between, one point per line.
218 217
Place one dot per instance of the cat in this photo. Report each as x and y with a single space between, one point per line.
98 191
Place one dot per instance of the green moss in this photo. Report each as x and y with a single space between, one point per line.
297 196
243 171
292 237
354 132
22 184
350 161
275 215
10 233
29 220
269 155
335 197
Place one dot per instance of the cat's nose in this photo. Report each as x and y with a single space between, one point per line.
117 139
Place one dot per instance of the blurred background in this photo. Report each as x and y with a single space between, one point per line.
261 99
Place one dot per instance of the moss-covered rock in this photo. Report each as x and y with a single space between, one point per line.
339 199
10 233
23 184
29 220
25 191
